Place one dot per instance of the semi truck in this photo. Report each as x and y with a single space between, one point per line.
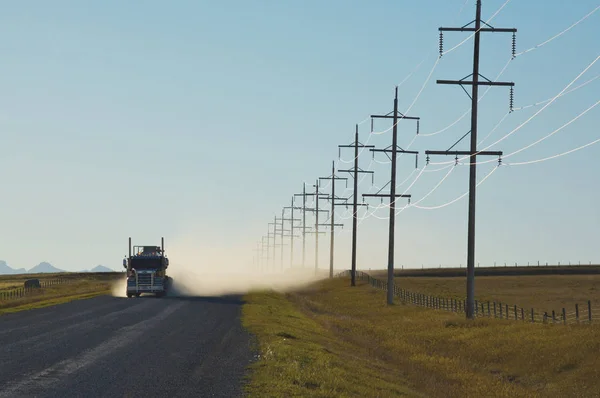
147 270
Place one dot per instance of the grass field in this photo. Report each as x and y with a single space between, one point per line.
77 286
543 292
498 271
333 340
300 356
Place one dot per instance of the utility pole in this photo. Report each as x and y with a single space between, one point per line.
395 149
303 194
258 255
292 227
472 153
317 195
356 144
282 230
332 223
274 233
263 248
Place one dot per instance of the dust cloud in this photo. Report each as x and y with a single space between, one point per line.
198 270
118 287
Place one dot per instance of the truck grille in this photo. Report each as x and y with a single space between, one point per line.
144 279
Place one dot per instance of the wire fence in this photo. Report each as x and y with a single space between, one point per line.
20 292
487 309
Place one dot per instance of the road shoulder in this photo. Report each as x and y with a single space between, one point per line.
301 356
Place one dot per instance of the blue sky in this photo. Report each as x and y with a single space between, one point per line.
198 121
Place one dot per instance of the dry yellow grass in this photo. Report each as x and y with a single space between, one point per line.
300 357
79 286
541 292
436 353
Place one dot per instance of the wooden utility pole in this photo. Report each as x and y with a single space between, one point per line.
332 198
472 153
356 144
394 150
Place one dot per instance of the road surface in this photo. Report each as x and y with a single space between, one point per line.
119 347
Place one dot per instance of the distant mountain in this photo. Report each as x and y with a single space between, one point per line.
101 268
44 267
6 270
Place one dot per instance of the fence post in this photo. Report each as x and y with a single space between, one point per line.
516 316
522 314
501 316
590 310
476 308
553 317
577 312
564 315
495 310
532 317
506 311
545 317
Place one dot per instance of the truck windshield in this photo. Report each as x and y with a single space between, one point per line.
146 262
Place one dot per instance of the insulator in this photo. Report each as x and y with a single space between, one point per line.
499 160
408 200
418 126
339 153
427 160
511 100
417 161
456 160
514 45
371 125
441 43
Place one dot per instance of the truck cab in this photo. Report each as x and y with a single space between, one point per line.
147 270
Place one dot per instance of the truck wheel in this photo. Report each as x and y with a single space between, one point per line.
128 295
138 294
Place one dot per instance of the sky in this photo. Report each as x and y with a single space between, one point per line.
198 121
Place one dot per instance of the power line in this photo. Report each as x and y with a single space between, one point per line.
561 33
554 156
531 117
455 200
516 55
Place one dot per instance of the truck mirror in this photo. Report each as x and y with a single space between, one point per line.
124 263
